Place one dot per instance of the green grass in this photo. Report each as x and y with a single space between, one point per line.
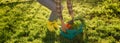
25 22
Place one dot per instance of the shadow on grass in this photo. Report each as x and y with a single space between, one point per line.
51 37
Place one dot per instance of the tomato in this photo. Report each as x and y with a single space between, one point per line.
68 26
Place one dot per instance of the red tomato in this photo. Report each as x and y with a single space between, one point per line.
68 26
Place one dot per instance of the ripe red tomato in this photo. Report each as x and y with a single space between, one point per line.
68 26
